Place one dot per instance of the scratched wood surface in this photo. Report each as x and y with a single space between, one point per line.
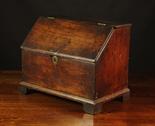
39 109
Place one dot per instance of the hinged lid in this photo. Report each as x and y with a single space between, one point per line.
75 39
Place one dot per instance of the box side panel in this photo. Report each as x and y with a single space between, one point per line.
69 76
112 67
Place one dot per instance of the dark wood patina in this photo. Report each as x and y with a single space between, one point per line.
79 60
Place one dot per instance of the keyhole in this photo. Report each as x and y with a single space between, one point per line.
55 59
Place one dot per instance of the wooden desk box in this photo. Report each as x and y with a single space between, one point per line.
78 60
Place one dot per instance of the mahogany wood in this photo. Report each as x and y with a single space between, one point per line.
78 38
67 76
112 67
90 59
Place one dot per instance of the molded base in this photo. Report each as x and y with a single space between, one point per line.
89 106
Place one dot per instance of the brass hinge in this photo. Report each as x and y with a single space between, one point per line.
51 18
101 24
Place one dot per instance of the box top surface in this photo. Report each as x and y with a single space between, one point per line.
69 37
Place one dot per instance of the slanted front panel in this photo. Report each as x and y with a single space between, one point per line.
76 38
112 67
68 75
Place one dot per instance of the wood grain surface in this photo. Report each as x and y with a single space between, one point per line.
39 109
68 76
112 67
77 38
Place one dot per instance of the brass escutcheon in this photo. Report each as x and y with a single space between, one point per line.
55 60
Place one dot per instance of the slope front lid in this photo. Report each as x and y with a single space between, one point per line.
67 37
